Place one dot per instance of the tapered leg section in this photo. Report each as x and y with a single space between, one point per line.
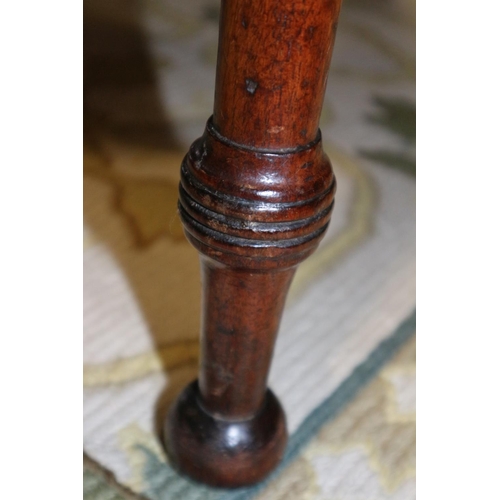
226 429
255 199
221 452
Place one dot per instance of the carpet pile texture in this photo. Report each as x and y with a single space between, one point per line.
344 365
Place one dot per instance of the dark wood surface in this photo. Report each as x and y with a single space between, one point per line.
256 196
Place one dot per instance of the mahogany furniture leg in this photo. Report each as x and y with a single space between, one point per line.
256 195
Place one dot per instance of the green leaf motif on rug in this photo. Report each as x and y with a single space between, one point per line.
96 488
398 117
163 483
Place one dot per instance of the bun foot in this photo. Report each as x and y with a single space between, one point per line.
220 452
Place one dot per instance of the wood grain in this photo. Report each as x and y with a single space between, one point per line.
256 196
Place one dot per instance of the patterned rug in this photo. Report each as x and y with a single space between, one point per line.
344 365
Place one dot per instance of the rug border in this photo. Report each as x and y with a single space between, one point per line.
332 405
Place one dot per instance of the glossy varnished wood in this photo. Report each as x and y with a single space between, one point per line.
256 196
273 56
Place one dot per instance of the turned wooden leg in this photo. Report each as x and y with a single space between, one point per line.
256 195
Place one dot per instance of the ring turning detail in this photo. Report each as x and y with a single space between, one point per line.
254 204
